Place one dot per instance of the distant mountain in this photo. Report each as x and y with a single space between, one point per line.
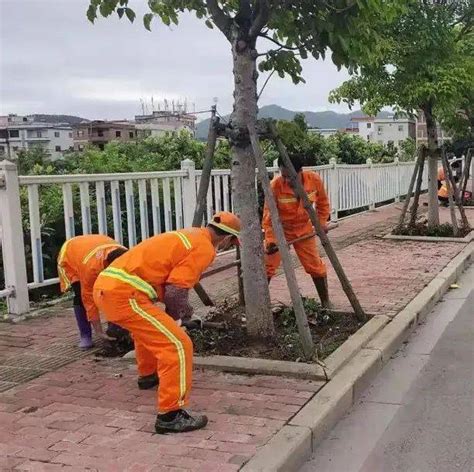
315 119
70 119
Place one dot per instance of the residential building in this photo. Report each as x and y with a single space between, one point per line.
99 133
160 123
385 131
362 126
422 135
324 132
22 132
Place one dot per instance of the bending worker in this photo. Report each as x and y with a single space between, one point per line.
164 268
296 223
80 261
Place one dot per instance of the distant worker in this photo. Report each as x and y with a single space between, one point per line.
80 261
441 177
164 268
296 223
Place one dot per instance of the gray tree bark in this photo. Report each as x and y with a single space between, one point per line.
256 291
432 132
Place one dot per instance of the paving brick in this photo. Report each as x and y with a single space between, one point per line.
35 466
36 454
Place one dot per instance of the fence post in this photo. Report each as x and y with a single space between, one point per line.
371 184
334 188
396 161
188 189
14 261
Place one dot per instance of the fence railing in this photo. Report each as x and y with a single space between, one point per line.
133 206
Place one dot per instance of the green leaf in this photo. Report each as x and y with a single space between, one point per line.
120 12
209 24
130 14
91 13
147 20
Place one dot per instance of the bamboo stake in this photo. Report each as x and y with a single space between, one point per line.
416 198
301 319
406 203
450 194
301 194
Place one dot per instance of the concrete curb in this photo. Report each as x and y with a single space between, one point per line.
334 400
431 239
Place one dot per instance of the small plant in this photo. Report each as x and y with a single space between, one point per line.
444 230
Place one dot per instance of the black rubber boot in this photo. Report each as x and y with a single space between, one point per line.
181 422
321 284
148 381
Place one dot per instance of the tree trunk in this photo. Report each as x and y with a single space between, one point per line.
256 292
432 132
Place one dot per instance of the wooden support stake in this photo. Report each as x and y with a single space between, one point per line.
455 190
466 171
301 319
419 181
301 194
202 192
240 280
452 211
406 203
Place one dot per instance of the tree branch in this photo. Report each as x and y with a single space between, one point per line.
222 21
261 19
282 46
265 84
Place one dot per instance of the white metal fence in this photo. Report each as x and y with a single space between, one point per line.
131 207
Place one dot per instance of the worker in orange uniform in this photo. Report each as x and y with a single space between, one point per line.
441 177
296 223
164 268
80 261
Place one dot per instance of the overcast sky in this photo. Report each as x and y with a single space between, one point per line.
52 60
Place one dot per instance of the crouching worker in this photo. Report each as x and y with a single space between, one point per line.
80 261
296 223
163 268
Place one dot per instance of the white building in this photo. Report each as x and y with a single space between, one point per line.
160 123
324 132
385 130
21 132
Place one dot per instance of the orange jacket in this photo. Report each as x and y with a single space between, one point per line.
174 258
293 215
443 191
81 259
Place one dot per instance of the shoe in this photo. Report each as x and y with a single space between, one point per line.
85 342
85 329
148 381
181 423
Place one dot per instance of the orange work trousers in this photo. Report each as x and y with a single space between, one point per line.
160 344
307 252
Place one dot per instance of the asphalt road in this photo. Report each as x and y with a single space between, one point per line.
418 415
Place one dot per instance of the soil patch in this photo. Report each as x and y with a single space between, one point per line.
421 229
328 328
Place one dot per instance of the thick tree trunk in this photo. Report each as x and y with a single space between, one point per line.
432 132
257 294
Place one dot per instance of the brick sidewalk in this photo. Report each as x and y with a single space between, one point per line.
62 412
